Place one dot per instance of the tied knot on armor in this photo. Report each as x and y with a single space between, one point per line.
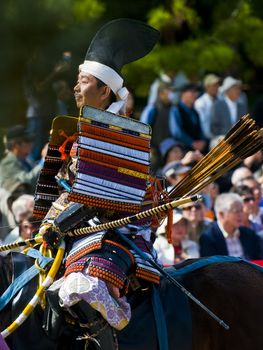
51 237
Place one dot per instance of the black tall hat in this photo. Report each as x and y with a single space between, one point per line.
117 43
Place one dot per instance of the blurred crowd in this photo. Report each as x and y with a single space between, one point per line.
48 93
187 120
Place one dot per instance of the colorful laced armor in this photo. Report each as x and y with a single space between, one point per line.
108 168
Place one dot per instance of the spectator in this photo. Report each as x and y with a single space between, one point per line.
254 185
227 110
232 178
227 236
15 167
176 80
249 204
240 174
41 72
26 228
22 208
255 164
64 98
180 248
195 214
205 102
172 150
209 193
184 120
213 190
6 200
157 115
174 172
162 79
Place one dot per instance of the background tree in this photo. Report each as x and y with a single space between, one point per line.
196 37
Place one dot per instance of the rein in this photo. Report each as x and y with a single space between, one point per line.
36 298
40 263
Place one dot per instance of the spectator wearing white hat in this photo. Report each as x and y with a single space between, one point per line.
204 103
181 247
228 110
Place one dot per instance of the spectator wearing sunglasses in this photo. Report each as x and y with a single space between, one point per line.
254 185
195 214
249 204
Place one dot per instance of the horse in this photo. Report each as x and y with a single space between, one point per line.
231 290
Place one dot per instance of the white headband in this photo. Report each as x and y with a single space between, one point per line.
107 75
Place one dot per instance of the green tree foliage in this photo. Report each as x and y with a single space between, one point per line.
228 42
48 25
243 31
197 36
174 15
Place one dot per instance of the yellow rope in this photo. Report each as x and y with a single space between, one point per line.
34 301
26 243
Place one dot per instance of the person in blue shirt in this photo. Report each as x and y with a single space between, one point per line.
184 122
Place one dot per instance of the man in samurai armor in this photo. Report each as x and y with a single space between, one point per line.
103 175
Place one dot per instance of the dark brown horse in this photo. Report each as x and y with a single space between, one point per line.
232 290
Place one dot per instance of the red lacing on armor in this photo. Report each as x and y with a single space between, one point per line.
156 194
169 225
62 148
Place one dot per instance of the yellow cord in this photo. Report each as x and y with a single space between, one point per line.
41 289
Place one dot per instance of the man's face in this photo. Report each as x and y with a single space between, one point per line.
193 212
189 97
175 153
22 149
26 229
248 204
255 187
179 231
164 96
212 89
87 92
234 92
233 218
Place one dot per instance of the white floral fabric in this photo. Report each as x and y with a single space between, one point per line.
77 286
